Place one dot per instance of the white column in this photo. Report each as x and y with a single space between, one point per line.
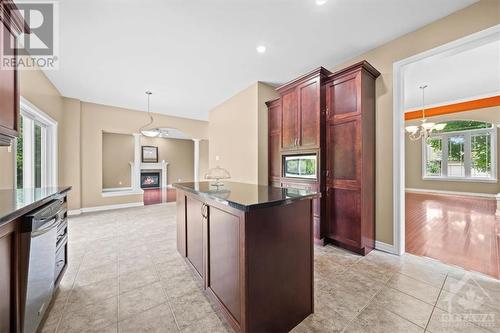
498 206
136 183
196 160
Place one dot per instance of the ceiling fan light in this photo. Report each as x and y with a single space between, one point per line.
150 133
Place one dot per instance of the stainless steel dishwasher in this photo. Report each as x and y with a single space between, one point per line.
39 230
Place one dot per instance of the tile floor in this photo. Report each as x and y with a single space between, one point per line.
125 275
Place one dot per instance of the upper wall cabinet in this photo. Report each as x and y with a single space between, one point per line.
301 111
10 27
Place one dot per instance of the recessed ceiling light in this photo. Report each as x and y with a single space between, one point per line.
321 2
261 49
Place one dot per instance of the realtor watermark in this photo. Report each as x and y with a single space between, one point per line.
467 305
38 47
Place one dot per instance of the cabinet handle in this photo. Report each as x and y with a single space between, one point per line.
204 211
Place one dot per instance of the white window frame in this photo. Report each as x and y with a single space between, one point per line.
32 115
492 131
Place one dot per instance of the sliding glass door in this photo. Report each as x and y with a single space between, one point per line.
36 160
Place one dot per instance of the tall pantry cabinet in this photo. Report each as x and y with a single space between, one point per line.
331 115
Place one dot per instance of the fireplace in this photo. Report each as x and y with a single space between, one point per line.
150 179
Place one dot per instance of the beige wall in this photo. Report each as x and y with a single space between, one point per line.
477 17
69 149
96 119
413 156
80 126
117 153
238 134
204 155
179 154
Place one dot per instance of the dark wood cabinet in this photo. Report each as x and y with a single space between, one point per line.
332 115
259 281
274 122
350 157
302 131
194 227
223 259
302 105
11 26
309 114
9 253
289 121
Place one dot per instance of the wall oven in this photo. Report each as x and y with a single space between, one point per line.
300 166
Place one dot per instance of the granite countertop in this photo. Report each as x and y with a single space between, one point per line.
247 197
18 202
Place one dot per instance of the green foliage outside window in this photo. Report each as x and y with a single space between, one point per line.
19 156
480 145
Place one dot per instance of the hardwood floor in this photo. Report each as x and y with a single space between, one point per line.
455 230
158 195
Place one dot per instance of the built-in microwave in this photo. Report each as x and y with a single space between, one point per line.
300 166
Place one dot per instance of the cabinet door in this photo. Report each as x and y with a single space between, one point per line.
342 97
181 222
224 259
194 234
343 181
289 120
9 93
309 113
7 278
274 156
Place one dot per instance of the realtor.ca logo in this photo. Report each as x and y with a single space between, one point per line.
467 305
40 47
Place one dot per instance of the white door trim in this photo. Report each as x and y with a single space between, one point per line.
32 113
398 122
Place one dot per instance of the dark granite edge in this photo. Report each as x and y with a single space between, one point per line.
251 207
32 206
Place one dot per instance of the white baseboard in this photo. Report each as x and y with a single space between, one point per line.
381 246
460 194
102 208
74 212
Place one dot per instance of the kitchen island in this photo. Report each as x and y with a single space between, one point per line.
252 248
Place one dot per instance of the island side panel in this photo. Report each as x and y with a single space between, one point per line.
224 276
181 222
279 245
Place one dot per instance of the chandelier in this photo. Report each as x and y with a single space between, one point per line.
153 132
425 128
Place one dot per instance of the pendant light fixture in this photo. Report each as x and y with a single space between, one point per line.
425 128
145 130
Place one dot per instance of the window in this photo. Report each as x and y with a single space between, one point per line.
36 149
463 150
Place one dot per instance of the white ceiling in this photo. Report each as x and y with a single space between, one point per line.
194 54
470 72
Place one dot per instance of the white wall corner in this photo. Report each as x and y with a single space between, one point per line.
384 247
